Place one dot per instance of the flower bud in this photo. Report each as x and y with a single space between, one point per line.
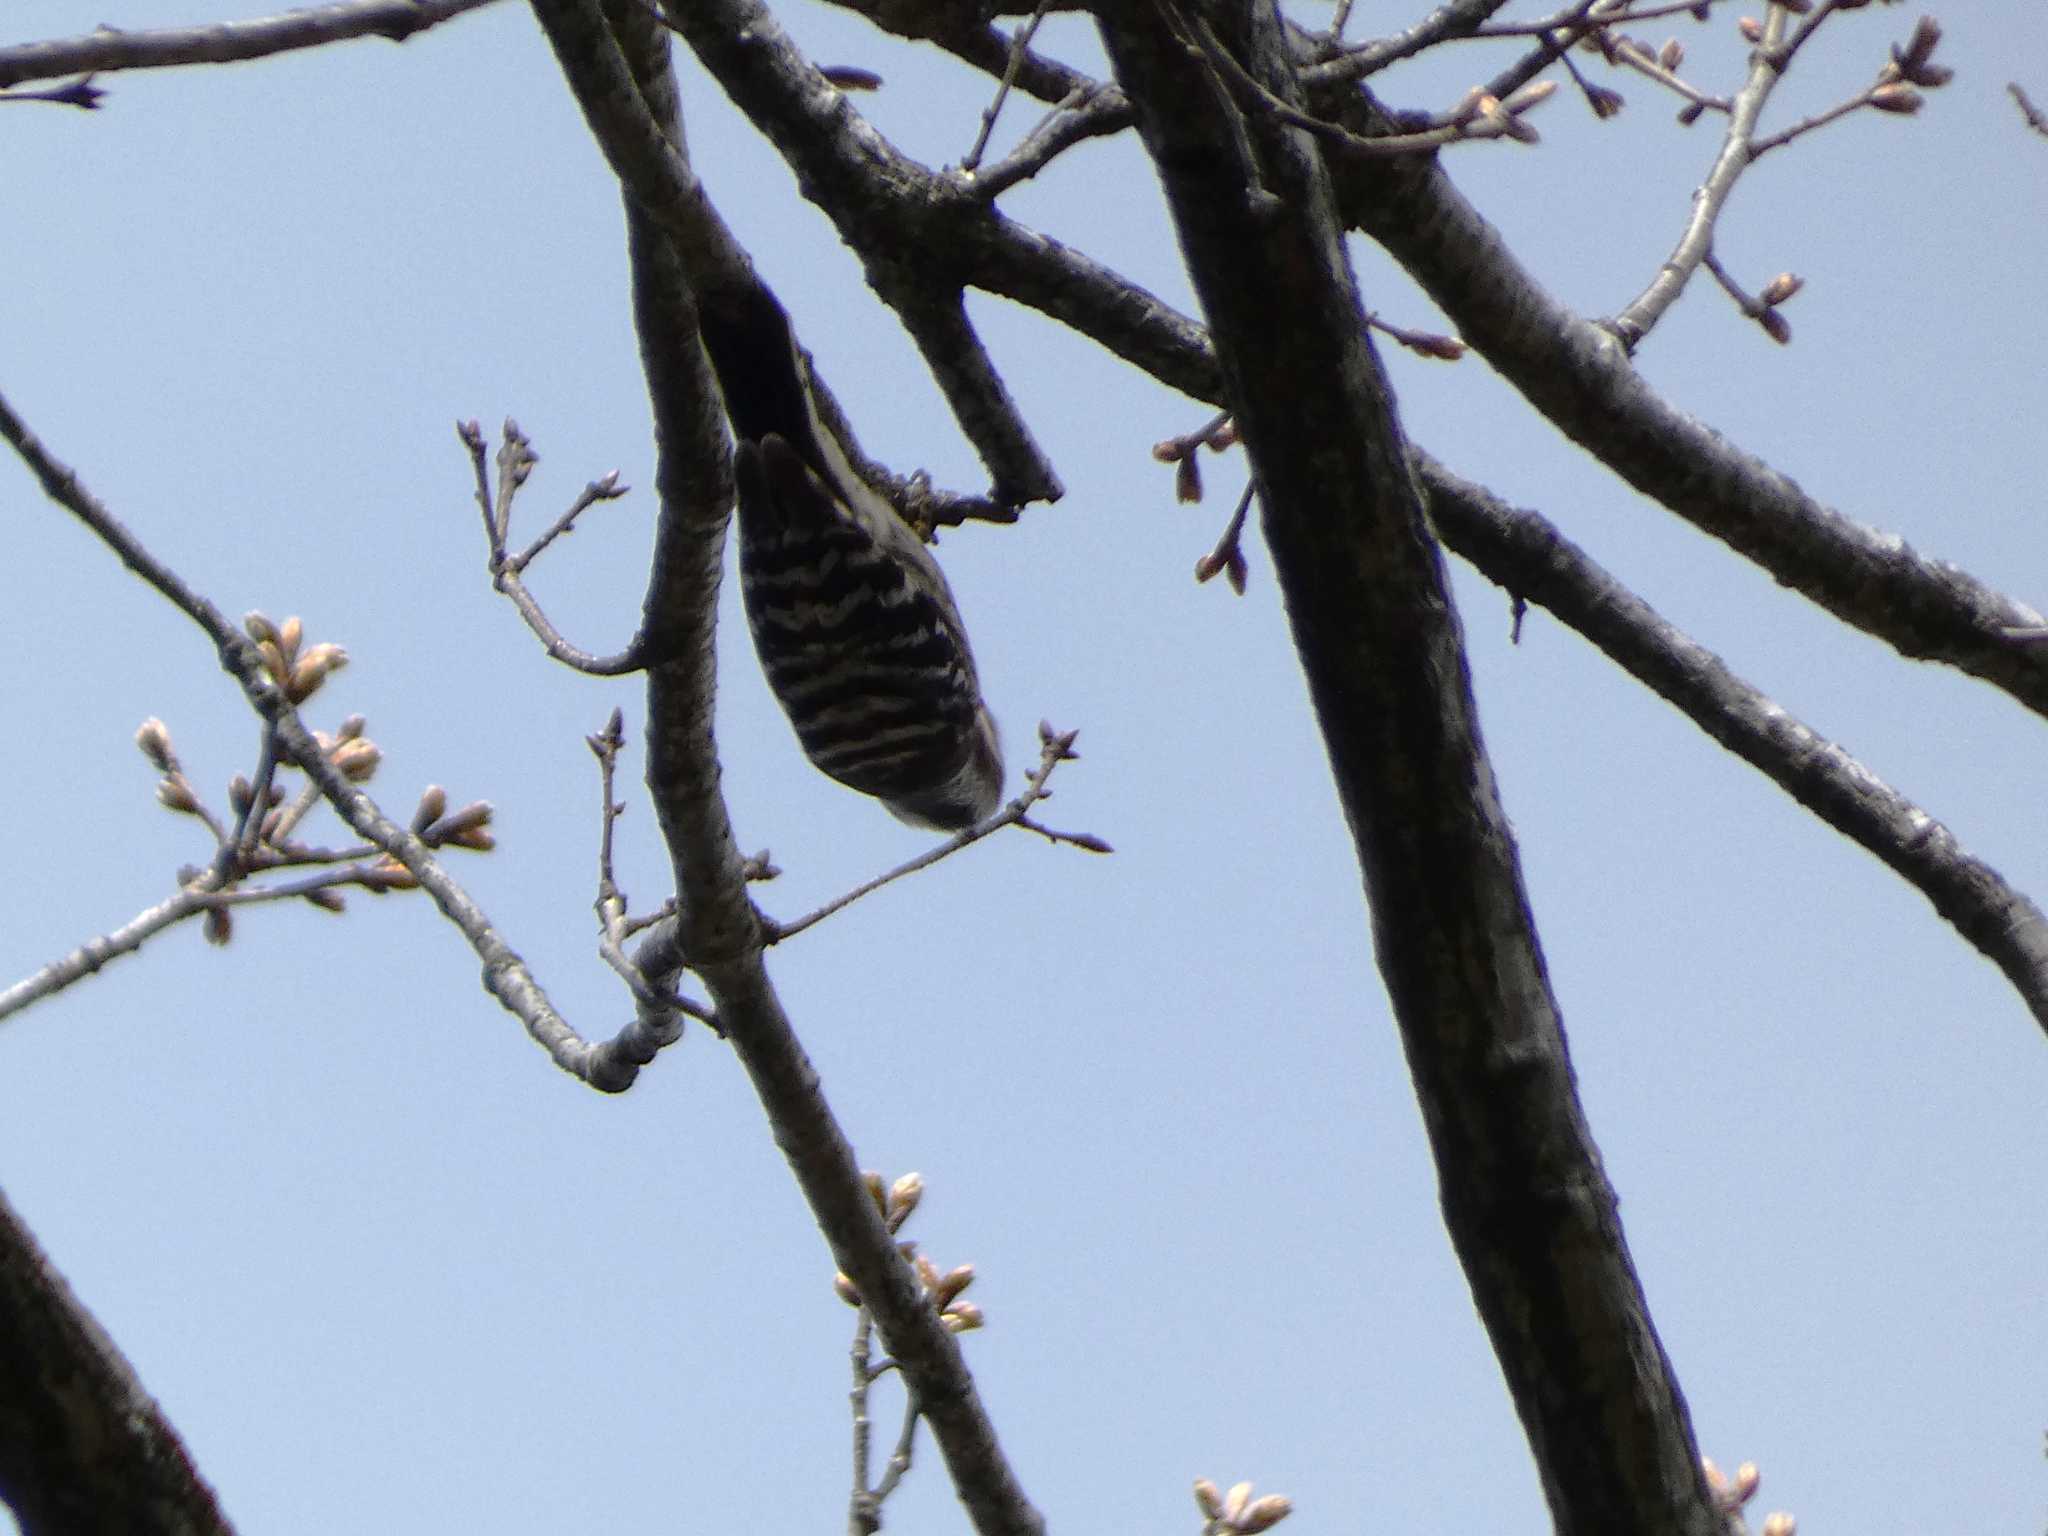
153 741
1264 1513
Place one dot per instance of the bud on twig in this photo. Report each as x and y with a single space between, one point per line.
1265 1513
153 740
174 794
904 1195
1779 289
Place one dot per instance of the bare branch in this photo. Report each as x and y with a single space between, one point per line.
2035 118
622 80
1088 112
83 1446
226 42
1365 596
610 1067
1636 320
97 951
515 461
1580 377
1527 555
882 203
1055 747
1020 45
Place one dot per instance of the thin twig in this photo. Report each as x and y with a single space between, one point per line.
1572 15
1228 555
906 1443
605 488
2036 119
1629 56
1455 18
1019 46
80 93
1055 747
1767 65
1480 118
1088 112
611 1066
654 995
1805 125
516 460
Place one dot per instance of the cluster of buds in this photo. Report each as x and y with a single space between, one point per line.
1912 66
256 838
1237 1512
1899 83
1732 1493
1480 114
1180 452
1776 292
437 826
894 1203
298 672
173 791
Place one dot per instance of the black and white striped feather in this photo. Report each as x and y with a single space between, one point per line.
852 618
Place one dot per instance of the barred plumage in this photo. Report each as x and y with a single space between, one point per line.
852 618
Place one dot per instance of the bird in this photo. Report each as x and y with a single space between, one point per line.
853 621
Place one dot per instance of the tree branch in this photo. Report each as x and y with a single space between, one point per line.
1579 376
1524 1196
84 1449
611 1066
878 200
1524 553
226 42
715 920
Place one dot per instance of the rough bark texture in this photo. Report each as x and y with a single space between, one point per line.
1528 1205
84 1449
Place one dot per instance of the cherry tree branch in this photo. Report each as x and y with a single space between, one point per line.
1526 554
83 1446
615 61
611 1066
226 42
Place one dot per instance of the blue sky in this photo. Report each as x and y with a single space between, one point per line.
388 1270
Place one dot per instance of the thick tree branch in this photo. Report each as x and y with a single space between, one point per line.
1527 555
226 42
84 1448
880 203
715 920
1579 376
1526 1201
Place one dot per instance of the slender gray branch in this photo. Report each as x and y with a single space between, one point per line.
1579 376
226 42
611 1066
95 952
1766 69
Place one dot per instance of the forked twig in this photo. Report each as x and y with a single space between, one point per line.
1055 747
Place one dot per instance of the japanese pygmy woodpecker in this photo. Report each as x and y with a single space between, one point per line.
852 618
